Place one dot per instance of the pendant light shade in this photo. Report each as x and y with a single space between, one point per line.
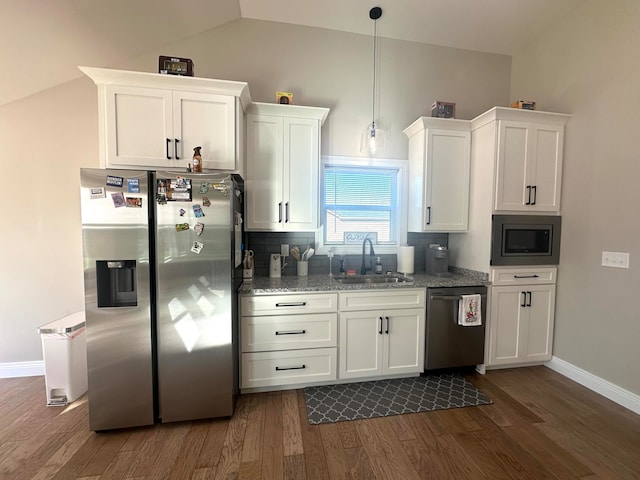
373 139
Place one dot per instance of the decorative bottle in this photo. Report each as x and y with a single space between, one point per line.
197 160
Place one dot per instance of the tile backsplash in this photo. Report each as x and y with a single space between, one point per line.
265 243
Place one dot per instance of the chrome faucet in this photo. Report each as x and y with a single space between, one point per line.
363 268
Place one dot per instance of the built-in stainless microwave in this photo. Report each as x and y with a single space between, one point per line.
525 240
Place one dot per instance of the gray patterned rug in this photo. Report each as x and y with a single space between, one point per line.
381 398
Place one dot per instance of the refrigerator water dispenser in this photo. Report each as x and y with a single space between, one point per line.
116 283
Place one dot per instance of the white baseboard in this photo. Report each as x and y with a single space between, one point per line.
22 369
607 389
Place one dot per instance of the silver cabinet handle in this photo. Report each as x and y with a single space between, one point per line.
280 212
291 332
286 212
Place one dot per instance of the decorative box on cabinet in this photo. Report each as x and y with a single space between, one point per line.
381 333
149 120
439 159
283 162
288 340
522 316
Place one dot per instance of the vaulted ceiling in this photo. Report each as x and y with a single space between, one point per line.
43 41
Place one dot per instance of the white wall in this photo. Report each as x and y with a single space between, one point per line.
45 139
590 67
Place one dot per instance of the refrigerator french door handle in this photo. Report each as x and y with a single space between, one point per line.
175 148
168 156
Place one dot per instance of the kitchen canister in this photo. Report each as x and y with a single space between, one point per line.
405 259
303 268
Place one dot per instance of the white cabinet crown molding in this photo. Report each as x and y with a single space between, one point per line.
519 115
298 111
423 123
108 76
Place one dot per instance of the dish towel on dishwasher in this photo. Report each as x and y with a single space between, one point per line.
469 310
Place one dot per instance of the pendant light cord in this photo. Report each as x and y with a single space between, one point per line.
373 95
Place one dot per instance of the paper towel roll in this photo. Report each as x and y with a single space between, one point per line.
405 259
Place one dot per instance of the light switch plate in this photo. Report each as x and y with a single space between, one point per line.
284 249
615 259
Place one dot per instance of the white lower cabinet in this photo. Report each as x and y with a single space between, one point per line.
522 316
288 339
378 341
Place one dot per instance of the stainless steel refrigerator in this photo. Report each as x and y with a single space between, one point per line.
162 267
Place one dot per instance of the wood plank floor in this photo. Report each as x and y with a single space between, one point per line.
541 425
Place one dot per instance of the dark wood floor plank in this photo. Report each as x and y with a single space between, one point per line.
253 438
294 468
386 455
314 460
272 444
334 452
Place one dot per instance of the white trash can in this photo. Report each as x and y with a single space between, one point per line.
64 347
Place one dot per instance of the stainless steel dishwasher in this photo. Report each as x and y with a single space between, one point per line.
448 344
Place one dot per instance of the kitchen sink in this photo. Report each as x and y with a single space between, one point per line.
363 279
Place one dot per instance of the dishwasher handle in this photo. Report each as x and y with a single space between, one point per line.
450 298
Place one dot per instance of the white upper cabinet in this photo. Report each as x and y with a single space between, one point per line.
283 163
154 121
525 153
529 169
439 161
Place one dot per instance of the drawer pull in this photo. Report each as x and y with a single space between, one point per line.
525 276
280 369
291 332
291 304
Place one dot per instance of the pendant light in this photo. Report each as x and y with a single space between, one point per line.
372 139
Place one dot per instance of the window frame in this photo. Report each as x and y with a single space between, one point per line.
401 187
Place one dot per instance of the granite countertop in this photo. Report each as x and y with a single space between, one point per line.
325 283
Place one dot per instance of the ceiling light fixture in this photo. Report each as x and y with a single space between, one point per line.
373 138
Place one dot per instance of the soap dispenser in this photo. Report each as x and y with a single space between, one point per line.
378 268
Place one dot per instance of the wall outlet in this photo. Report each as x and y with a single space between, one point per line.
615 259
284 249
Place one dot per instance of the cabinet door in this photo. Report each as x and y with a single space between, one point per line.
139 127
546 177
447 181
264 188
403 341
538 342
513 165
300 181
208 121
360 344
508 317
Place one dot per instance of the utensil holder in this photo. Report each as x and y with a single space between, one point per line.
303 268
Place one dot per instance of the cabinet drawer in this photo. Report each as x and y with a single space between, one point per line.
523 276
288 332
381 299
290 367
288 304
